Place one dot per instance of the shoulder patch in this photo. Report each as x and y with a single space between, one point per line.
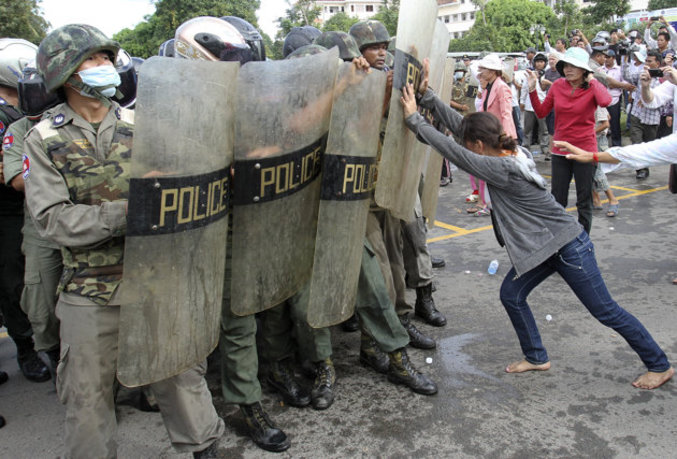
26 167
7 141
2 128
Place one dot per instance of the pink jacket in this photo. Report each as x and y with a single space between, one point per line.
500 105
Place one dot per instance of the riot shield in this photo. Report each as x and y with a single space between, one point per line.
348 173
509 68
442 77
280 134
400 166
175 248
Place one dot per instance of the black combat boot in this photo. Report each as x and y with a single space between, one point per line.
323 387
281 377
425 307
29 363
402 371
51 361
262 430
210 452
351 325
416 338
372 356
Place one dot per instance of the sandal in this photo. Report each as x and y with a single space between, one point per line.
483 212
472 197
612 211
473 209
674 281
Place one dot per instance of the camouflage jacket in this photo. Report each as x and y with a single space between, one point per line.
77 185
463 93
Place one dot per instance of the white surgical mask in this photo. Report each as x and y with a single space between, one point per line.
458 75
104 78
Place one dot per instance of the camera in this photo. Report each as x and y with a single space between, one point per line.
656 73
655 18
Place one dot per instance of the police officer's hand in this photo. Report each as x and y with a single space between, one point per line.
360 63
423 87
408 100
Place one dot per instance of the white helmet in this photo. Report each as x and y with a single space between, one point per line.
15 54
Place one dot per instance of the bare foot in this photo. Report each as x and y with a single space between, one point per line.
523 365
653 380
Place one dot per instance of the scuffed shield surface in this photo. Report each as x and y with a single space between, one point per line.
175 249
348 173
283 112
401 164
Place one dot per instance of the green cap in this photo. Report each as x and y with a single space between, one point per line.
348 49
62 51
368 33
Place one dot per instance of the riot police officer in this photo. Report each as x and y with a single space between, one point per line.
77 184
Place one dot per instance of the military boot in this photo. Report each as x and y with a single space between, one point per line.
350 325
425 307
323 387
51 361
210 452
29 363
372 356
402 371
416 338
281 378
262 430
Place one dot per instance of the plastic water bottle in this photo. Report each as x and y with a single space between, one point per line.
493 267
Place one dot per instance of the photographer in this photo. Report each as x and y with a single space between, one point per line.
657 96
667 41
644 120
532 121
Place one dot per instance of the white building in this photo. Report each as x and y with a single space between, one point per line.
459 15
362 9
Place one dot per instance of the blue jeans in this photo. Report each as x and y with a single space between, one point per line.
577 265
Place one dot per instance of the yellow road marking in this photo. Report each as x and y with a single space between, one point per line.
458 231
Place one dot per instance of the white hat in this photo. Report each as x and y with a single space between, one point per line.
575 56
491 62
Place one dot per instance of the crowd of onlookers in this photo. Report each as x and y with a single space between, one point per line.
615 58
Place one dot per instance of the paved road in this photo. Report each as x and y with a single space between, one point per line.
583 407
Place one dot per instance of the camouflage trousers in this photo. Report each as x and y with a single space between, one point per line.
38 299
417 262
85 380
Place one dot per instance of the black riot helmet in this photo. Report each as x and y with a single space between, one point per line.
299 36
250 34
125 68
34 98
167 48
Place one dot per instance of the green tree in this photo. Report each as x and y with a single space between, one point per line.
145 39
568 18
481 5
388 15
22 19
660 4
511 25
604 11
300 13
339 22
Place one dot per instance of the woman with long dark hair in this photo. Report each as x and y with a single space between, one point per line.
541 238
574 99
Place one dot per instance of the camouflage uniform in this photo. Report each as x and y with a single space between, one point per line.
76 188
461 91
43 258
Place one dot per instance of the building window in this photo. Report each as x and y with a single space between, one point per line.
462 16
472 16
455 19
352 8
369 8
446 19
